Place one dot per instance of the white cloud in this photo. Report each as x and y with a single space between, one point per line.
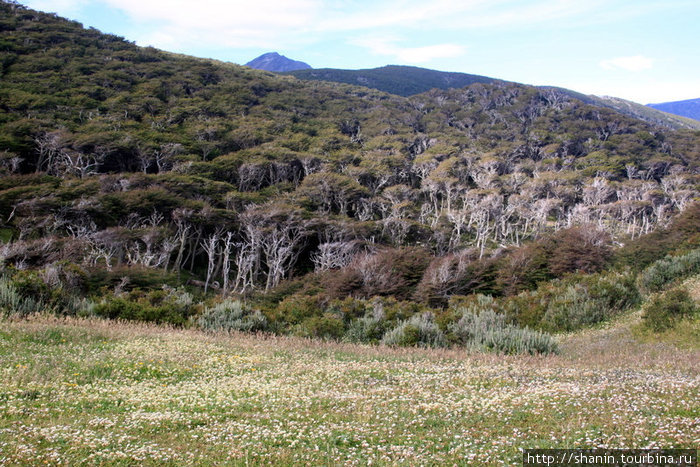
221 23
633 63
63 7
472 14
387 46
262 23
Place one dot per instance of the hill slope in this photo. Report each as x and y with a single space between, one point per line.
689 108
408 81
394 79
125 169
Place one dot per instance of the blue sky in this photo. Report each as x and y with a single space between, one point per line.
643 50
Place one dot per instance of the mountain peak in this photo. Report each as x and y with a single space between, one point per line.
272 61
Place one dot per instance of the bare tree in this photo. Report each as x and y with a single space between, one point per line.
276 232
334 255
48 146
227 250
164 157
210 245
78 163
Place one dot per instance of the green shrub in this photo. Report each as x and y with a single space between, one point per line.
487 330
295 309
122 308
80 306
420 330
668 270
577 301
232 315
328 326
13 303
167 306
663 310
368 329
596 298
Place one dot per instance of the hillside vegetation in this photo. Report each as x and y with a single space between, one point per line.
144 185
408 81
395 79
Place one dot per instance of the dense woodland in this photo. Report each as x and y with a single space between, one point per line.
141 184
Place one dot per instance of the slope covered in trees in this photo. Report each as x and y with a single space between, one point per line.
408 81
395 79
127 168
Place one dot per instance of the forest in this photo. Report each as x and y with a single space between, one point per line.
142 185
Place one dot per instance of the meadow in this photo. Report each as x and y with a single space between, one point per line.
93 392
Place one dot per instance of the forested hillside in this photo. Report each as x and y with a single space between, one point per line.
394 79
126 169
408 81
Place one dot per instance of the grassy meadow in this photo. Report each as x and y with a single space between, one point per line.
94 392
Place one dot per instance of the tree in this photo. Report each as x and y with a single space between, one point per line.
273 233
210 245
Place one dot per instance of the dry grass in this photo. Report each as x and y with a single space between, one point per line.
104 393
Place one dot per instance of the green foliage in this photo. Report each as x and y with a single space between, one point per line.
669 270
13 303
54 289
578 301
232 315
663 310
482 327
368 329
394 79
166 306
295 309
326 326
420 330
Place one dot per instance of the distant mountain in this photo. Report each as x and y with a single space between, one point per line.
273 61
395 79
648 114
689 108
408 81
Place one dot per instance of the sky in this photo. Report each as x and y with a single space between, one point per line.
647 51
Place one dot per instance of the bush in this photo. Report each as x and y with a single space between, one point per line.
663 310
389 272
420 330
682 235
485 329
594 299
167 306
370 328
232 315
577 301
295 309
80 306
13 303
668 270
328 326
